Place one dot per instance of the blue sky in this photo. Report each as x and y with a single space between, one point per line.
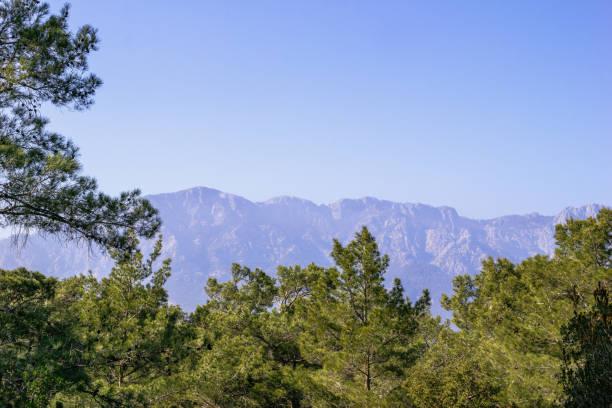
490 107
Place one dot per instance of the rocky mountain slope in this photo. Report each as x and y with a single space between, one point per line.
206 230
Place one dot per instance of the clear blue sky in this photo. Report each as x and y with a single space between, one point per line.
491 107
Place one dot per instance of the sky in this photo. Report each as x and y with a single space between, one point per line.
489 107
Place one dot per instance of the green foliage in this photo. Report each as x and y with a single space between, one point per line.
525 336
450 375
40 353
41 188
361 333
514 313
313 337
133 335
41 60
249 353
587 354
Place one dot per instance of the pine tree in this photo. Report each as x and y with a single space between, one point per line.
587 354
247 348
514 313
362 333
134 337
450 375
41 353
41 187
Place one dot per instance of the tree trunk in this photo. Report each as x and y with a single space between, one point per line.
367 376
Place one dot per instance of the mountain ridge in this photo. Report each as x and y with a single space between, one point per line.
205 230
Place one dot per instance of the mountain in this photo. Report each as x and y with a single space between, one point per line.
206 230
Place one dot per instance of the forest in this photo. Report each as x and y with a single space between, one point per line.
532 334
536 334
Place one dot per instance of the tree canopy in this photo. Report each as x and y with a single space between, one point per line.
41 186
515 313
532 334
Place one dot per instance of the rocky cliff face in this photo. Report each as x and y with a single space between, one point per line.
206 230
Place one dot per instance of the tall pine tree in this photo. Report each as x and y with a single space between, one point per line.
41 188
361 332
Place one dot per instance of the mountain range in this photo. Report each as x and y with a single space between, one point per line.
206 230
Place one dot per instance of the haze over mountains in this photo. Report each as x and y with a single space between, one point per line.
206 230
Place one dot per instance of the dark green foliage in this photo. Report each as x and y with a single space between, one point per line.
513 314
315 337
588 242
41 188
587 354
450 375
40 352
249 354
360 332
133 335
41 60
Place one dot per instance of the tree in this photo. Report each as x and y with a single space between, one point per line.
450 375
41 188
514 313
134 337
41 353
586 373
313 337
362 333
248 354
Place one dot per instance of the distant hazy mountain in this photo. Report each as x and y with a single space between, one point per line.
206 230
